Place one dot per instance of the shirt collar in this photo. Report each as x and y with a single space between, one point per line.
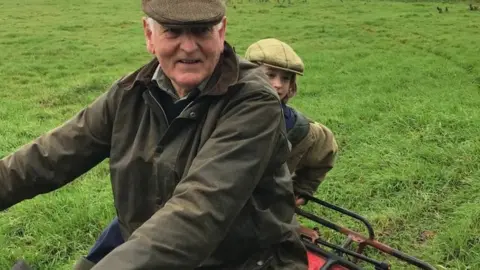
165 84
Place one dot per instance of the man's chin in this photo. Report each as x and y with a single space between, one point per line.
190 82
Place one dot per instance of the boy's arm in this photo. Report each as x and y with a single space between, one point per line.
317 161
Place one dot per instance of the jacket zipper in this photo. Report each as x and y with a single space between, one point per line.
160 106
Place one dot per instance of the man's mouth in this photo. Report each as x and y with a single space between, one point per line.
189 61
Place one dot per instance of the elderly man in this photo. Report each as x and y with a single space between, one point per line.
197 149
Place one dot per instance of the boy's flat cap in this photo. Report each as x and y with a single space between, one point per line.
275 53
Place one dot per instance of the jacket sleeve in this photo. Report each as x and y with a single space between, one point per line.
59 156
222 178
317 161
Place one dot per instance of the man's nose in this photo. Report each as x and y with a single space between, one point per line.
188 43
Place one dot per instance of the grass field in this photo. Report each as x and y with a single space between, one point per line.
397 82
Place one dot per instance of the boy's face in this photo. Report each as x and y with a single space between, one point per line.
280 80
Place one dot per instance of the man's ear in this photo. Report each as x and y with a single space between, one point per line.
147 31
222 31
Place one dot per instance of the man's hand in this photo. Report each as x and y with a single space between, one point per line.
21 265
312 234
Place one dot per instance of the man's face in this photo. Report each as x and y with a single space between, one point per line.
187 55
279 79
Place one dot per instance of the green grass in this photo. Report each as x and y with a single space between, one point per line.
397 82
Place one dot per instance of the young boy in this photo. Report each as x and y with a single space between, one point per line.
313 145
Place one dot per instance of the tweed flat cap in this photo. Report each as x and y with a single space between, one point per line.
185 12
275 53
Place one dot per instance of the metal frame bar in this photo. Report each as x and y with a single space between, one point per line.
355 236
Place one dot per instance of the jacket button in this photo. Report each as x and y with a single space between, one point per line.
193 115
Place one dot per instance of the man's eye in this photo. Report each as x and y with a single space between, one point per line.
201 31
173 31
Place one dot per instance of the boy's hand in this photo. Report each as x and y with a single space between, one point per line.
299 201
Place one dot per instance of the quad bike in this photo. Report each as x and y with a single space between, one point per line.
323 255
342 257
